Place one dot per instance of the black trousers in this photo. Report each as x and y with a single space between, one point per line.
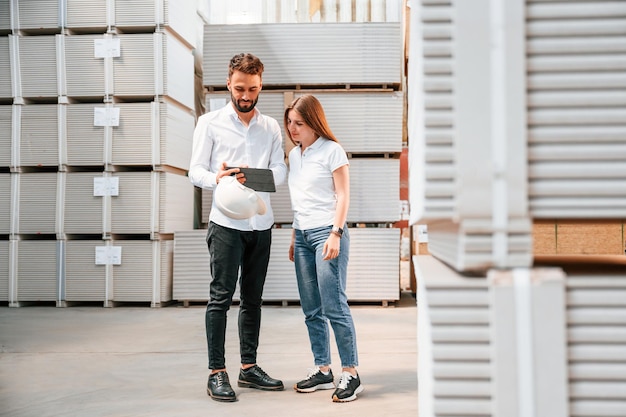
235 256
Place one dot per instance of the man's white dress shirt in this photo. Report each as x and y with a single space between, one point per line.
219 137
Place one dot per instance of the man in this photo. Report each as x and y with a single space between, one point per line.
237 135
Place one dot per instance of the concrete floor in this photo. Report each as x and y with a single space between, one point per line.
140 361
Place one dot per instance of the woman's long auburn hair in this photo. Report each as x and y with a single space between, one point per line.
312 112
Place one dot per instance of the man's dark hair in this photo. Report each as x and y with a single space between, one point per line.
246 63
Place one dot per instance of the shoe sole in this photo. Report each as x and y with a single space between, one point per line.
221 399
350 398
328 385
245 384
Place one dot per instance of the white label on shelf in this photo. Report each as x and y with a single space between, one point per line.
422 233
103 186
106 48
108 255
106 116
404 210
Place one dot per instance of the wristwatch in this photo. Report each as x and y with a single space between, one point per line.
337 230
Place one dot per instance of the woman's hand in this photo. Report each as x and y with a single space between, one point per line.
292 245
331 247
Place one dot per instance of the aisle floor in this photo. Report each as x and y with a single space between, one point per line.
139 361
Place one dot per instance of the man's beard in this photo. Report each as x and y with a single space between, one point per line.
243 109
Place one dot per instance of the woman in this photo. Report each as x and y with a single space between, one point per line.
319 184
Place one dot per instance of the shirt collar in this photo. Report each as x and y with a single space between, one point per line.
315 145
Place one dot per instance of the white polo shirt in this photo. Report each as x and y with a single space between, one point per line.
219 137
311 185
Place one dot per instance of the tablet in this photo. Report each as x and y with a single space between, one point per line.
258 179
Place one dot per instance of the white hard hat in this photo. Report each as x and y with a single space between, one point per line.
236 200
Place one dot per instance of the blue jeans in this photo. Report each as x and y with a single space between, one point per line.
236 253
322 287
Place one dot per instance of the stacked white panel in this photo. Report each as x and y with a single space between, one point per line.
36 199
137 71
6 135
466 122
148 134
4 270
369 278
469 246
431 111
38 62
547 351
132 16
87 14
270 103
149 64
280 284
6 90
192 271
39 135
374 190
132 209
145 272
39 15
331 54
454 367
173 15
163 275
132 279
577 109
85 73
364 122
179 70
84 142
83 211
281 204
596 319
175 200
5 203
154 64
141 271
155 71
152 134
374 266
5 16
37 281
175 135
151 202
84 279
192 268
304 11
133 139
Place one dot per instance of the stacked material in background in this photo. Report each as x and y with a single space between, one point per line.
97 114
518 155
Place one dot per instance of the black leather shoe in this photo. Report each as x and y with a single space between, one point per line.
255 377
219 387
